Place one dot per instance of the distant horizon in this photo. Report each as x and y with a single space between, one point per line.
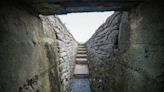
83 25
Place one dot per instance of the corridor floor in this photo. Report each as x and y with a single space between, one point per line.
81 72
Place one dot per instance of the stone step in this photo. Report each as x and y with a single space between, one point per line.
81 46
81 56
80 76
81 60
81 85
81 52
81 71
82 49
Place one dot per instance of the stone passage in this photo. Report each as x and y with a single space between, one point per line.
81 72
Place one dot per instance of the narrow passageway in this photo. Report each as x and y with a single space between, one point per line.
81 71
38 52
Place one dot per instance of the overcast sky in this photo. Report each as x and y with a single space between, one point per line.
83 25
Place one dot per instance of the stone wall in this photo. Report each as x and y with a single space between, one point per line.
125 53
102 47
31 51
52 53
23 54
67 47
146 49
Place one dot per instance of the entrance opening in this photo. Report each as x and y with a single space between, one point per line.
83 25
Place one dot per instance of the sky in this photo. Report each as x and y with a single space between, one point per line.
83 25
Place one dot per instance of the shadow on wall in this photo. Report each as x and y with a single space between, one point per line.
31 51
126 52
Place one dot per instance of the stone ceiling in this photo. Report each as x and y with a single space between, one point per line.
49 7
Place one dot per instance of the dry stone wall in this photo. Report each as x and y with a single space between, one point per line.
104 43
36 52
102 47
67 47
126 52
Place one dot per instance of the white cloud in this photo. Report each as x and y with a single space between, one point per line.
83 25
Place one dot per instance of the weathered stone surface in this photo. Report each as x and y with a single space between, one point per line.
101 47
81 81
125 53
81 52
105 40
81 69
146 50
81 55
81 85
35 51
23 56
67 47
50 7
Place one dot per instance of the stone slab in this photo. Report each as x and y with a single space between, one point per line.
81 52
81 85
81 56
82 49
81 61
81 69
